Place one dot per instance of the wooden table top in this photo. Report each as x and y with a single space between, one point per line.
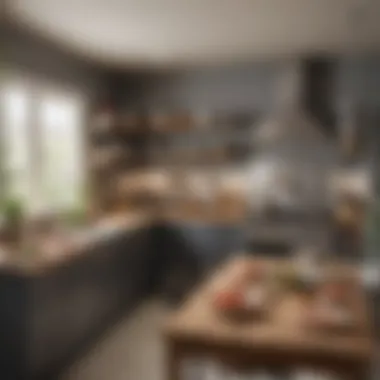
197 321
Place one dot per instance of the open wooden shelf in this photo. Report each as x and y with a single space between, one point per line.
173 140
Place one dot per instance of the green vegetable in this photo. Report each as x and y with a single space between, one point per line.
291 280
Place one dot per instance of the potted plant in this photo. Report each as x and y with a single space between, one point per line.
12 218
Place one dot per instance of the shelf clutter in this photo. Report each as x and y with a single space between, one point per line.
178 160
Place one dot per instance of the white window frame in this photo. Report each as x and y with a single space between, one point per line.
36 88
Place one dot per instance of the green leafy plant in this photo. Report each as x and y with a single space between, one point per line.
75 217
12 211
12 214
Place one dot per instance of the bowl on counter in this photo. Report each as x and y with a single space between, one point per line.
248 297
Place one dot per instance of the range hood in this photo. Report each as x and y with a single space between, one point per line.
295 151
302 108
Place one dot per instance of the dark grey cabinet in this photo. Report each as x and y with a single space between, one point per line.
190 250
48 318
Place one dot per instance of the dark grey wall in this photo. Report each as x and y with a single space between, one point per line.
223 88
249 86
361 79
24 51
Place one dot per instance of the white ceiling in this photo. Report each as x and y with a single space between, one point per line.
175 32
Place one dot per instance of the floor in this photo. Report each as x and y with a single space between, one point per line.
133 350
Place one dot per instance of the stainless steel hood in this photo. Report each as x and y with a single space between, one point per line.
295 153
303 107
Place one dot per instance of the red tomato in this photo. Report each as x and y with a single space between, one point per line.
229 299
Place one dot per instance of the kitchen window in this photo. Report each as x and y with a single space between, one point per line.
42 145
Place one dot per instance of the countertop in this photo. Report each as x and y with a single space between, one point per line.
66 250
108 227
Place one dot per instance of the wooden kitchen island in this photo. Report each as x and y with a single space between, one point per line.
280 342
